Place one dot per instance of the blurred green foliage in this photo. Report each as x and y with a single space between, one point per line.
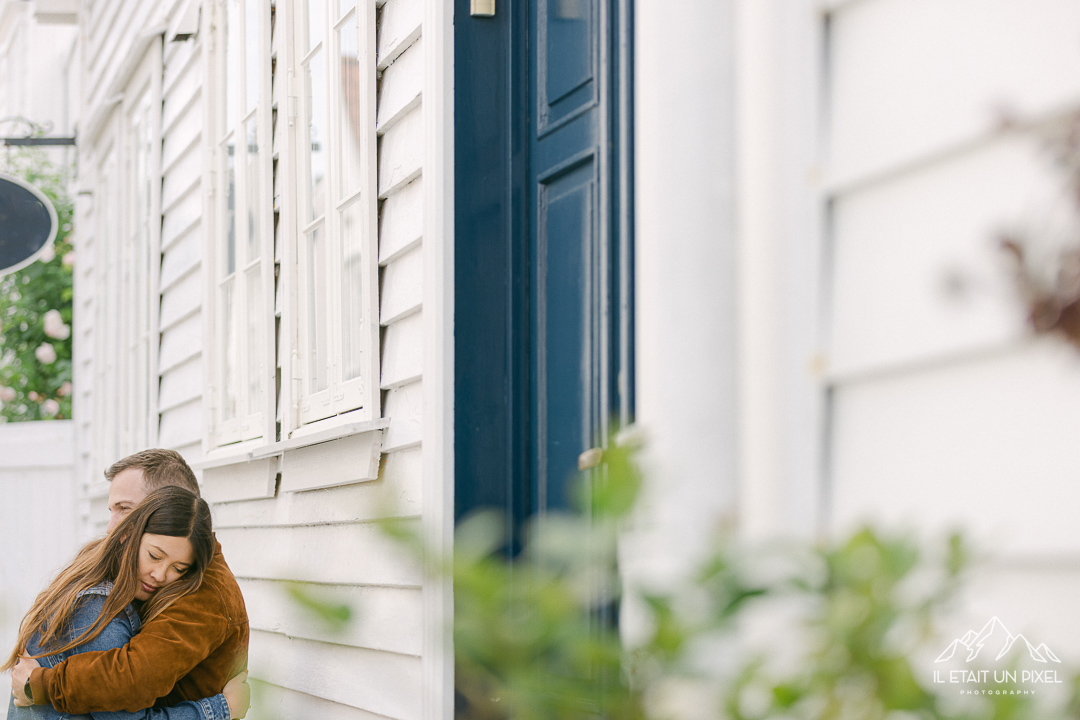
537 638
770 631
36 307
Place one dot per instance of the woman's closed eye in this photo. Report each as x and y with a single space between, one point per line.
179 569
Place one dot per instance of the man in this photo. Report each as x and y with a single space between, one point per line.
187 652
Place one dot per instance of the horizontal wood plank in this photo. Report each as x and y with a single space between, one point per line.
989 446
401 153
402 287
181 425
180 220
183 383
182 178
178 261
350 554
381 618
910 77
183 137
401 87
182 300
404 408
915 263
401 221
180 58
399 27
403 351
271 702
380 682
180 342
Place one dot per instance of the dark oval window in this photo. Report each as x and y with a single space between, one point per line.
27 224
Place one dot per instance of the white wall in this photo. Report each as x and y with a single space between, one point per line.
685 279
34 56
944 413
37 515
885 371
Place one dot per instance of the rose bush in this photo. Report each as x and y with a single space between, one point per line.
36 307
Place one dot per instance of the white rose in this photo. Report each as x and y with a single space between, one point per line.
45 353
50 407
48 255
7 394
69 258
64 390
55 326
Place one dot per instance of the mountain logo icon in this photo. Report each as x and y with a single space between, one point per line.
997 641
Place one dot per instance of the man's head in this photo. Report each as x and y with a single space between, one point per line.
132 478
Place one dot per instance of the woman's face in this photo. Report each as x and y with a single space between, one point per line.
162 559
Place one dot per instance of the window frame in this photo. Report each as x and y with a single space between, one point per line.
358 398
353 405
256 425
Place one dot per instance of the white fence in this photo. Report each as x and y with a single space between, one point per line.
37 517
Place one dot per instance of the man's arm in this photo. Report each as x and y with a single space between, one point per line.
133 677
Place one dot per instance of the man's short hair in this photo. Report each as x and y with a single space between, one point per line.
159 468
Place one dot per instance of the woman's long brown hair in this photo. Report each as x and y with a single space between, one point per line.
169 510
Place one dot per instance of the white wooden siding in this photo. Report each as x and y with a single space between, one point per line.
987 444
913 78
401 221
279 521
292 705
180 369
37 490
900 245
943 413
384 618
326 535
384 683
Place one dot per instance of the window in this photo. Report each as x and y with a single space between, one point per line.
125 253
294 241
243 215
336 334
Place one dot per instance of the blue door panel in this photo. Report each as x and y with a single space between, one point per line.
567 242
565 325
567 62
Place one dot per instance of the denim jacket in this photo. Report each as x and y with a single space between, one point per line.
115 634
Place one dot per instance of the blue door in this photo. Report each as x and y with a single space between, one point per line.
543 281
568 246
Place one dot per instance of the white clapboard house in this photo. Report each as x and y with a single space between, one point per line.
335 251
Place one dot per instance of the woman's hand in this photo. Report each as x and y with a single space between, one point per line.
238 695
19 675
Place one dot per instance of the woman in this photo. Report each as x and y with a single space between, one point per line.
155 556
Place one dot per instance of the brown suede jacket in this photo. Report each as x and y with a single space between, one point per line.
187 652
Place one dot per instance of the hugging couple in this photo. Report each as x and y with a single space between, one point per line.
147 622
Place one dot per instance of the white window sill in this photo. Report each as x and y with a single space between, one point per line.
333 428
